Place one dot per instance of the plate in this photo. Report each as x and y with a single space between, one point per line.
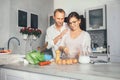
4 53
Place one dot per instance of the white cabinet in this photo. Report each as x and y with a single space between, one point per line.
113 30
0 74
8 74
34 76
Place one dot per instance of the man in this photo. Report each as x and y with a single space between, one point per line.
55 32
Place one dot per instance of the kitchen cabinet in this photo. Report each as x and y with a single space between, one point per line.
62 72
113 27
9 74
96 27
45 77
111 36
0 74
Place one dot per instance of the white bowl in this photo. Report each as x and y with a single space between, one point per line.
84 59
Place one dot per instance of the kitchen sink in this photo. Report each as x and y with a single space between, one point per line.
10 58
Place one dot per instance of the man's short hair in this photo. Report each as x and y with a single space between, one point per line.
59 10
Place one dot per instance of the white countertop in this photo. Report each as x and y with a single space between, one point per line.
109 71
10 58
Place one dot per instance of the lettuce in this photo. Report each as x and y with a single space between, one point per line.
35 57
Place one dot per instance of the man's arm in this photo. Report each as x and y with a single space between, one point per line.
56 39
52 42
49 40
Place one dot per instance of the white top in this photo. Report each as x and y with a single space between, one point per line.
82 42
51 33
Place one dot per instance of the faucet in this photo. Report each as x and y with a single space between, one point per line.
11 39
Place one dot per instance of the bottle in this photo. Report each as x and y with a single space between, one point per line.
57 58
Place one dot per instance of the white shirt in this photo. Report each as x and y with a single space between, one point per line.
51 33
82 42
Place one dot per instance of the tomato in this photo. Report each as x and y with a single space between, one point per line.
74 60
44 63
63 61
59 62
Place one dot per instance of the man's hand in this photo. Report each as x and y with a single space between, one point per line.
63 33
60 36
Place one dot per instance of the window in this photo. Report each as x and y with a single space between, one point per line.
22 18
34 21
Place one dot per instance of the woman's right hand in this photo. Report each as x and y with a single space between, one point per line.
66 50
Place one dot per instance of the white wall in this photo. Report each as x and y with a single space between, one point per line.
113 29
78 5
4 21
9 20
37 7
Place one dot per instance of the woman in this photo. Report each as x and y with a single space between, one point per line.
76 40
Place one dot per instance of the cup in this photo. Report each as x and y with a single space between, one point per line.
84 59
84 55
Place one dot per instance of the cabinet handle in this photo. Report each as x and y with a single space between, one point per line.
108 49
108 53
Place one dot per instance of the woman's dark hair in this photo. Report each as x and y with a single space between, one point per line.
77 16
73 14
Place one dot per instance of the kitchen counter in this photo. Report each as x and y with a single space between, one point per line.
109 71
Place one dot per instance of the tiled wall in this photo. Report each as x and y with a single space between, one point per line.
99 37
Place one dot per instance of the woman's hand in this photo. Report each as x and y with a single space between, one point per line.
66 50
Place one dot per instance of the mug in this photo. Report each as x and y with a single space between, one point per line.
84 59
84 55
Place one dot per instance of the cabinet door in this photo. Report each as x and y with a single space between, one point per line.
8 74
113 30
34 76
0 74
